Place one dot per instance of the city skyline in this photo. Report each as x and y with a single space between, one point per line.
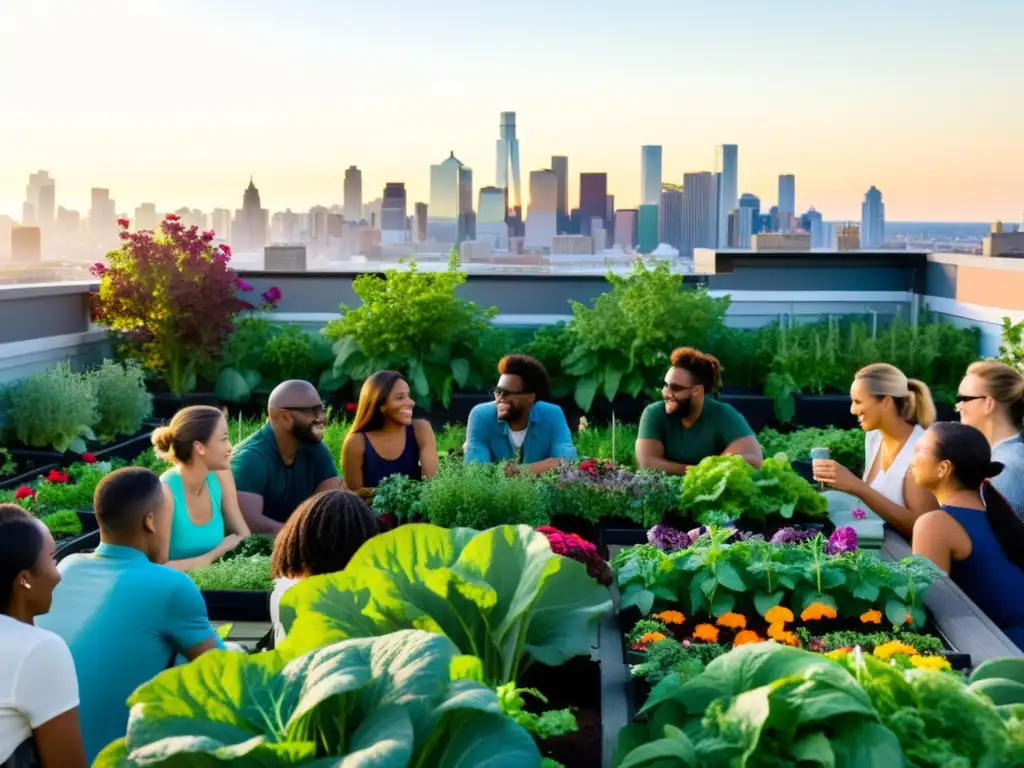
295 99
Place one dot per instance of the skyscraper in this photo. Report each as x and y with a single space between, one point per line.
491 226
40 200
508 158
443 223
467 218
670 229
872 220
815 226
650 175
392 214
560 165
787 201
353 194
250 228
727 168
740 225
102 219
700 212
542 214
420 232
593 202
625 227
753 202
647 228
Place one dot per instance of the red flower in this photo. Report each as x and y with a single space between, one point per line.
172 217
98 270
350 407
387 521
226 248
89 458
123 223
56 476
24 493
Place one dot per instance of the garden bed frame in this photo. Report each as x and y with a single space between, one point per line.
36 461
237 605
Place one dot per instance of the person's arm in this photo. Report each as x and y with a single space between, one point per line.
352 453
46 691
477 450
427 444
327 477
249 471
650 444
936 536
252 510
208 559
748 448
234 521
918 500
561 447
187 623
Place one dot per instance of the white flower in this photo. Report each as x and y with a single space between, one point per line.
583 424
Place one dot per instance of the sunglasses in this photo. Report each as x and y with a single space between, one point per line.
309 410
677 389
502 392
969 398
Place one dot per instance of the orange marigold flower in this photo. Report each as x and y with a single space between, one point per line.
670 617
871 617
787 638
651 637
778 615
732 620
890 649
745 637
816 611
908 619
776 629
706 632
838 653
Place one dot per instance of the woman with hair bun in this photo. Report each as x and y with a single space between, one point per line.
894 412
974 535
991 399
207 521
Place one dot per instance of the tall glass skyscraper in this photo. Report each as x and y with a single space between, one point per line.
491 226
727 168
593 202
542 215
670 227
444 209
650 175
787 200
872 220
700 212
647 228
392 214
508 159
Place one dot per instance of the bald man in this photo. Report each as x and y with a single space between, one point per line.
285 462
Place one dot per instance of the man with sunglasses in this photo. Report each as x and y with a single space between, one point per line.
285 462
519 427
688 425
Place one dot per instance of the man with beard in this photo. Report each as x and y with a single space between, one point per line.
519 427
285 462
688 425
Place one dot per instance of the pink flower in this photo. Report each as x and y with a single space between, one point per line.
859 514
24 493
123 223
98 270
89 458
226 249
172 217
244 286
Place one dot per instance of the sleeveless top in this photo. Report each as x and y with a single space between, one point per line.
988 576
376 467
889 482
188 539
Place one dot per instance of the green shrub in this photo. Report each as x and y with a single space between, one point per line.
481 496
63 525
52 409
295 354
845 445
122 401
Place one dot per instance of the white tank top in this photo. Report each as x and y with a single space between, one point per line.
889 482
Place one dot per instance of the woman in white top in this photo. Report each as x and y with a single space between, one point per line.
320 537
38 686
894 412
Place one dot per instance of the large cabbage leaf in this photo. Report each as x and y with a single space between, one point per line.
395 701
501 595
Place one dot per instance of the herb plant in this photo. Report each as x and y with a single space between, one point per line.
846 446
593 490
63 525
55 408
123 404
545 725
481 496
246 574
256 545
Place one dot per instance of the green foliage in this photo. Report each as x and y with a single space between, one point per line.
7 465
551 344
412 322
247 574
622 344
255 545
399 496
296 354
55 409
481 496
926 645
501 595
670 657
399 701
123 404
151 461
237 371
543 726
77 493
846 446
1011 344
63 525
595 442
451 439
595 490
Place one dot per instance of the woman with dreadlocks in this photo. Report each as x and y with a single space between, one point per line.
320 537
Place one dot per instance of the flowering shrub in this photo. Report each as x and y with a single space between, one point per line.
593 489
579 549
171 294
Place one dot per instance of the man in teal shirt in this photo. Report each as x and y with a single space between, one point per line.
519 427
124 617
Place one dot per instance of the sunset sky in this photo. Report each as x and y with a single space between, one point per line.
178 102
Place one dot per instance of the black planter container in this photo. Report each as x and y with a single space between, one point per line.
36 461
758 410
237 605
25 478
79 545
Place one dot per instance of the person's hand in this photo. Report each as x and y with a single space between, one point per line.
834 475
230 542
366 494
511 469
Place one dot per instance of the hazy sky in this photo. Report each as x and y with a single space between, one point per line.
177 102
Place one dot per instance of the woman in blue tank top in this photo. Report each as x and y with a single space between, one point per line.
975 536
207 521
385 439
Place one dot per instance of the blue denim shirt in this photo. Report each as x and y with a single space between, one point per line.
547 435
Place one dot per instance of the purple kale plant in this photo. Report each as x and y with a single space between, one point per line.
668 539
790 535
841 541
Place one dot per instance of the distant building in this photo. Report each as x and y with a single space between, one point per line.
777 241
475 250
593 201
813 223
872 220
507 175
560 165
1000 243
284 258
727 169
626 227
753 202
739 227
647 228
650 175
102 220
40 196
353 194
848 238
220 222
26 245
670 215
700 212
251 222
467 216
420 225
542 213
392 214
787 201
572 245
447 182
491 213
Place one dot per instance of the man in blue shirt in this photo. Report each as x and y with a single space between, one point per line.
519 427
124 617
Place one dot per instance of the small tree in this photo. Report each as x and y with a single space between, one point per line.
171 295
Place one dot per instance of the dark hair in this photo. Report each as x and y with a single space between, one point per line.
704 368
372 396
533 373
322 534
125 497
971 456
189 426
21 541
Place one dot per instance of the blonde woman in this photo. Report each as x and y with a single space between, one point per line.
894 412
991 399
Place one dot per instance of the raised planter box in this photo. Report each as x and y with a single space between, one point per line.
35 461
617 691
25 478
237 605
78 545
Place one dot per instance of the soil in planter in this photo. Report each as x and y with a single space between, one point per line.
576 686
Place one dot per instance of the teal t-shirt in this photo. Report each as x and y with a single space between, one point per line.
189 540
258 468
719 425
124 619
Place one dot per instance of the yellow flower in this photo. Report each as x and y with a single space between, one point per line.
930 662
732 620
745 637
816 611
706 632
651 637
778 615
776 629
670 617
890 649
787 638
871 617
838 653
